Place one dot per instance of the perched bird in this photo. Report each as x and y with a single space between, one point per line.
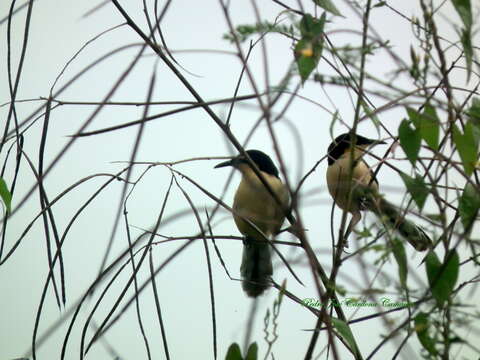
354 188
258 216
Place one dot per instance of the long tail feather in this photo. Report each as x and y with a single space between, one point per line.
256 268
407 229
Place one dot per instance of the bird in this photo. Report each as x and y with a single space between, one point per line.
354 188
258 216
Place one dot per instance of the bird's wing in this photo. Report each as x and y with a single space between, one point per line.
373 178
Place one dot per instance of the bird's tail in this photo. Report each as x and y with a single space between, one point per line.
407 229
256 268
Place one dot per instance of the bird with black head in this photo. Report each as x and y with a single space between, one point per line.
354 188
258 216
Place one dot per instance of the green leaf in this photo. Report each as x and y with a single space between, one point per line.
410 140
328 6
464 10
308 49
401 258
311 27
370 113
468 205
306 61
234 353
474 112
442 277
456 339
417 189
5 195
450 276
427 123
252 352
466 40
429 126
467 146
432 266
474 119
440 217
414 69
421 328
344 330
245 31
414 116
379 4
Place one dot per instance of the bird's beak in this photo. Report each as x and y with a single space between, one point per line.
377 142
230 162
366 143
369 142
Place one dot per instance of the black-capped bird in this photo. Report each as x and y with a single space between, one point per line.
358 179
258 217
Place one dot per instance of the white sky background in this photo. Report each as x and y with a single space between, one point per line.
58 31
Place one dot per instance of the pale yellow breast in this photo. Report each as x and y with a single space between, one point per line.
253 202
338 181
